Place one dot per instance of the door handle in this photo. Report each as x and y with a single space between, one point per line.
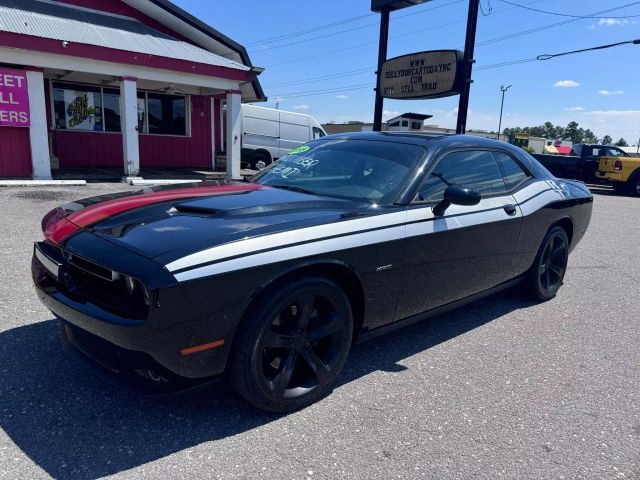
510 209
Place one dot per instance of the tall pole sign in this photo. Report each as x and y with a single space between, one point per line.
382 56
431 74
384 7
469 45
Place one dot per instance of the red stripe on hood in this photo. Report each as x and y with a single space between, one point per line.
61 229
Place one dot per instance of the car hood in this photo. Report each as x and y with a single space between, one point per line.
168 223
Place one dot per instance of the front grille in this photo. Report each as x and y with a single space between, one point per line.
85 281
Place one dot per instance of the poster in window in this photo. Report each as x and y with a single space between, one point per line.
80 111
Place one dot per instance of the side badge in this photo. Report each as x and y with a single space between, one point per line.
382 268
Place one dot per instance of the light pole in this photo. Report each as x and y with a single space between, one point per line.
503 89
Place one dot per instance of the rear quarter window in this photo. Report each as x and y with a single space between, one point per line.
512 173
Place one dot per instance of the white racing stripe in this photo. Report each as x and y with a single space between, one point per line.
533 197
298 251
284 238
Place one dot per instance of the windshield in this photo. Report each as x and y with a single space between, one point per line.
361 170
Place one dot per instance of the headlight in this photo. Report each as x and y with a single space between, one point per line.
135 287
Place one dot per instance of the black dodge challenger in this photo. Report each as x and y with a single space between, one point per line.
270 281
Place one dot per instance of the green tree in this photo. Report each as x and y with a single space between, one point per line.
539 131
572 132
606 140
621 143
589 137
558 133
549 130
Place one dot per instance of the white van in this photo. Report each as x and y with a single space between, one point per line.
268 134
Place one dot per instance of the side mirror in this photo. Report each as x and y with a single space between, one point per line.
457 195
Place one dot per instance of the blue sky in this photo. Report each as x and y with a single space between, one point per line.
596 89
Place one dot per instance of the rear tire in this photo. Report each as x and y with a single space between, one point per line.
260 161
633 184
545 277
292 345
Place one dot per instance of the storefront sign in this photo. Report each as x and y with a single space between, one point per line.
379 5
433 74
14 98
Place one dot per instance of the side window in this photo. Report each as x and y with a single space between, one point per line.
512 173
615 152
597 152
477 168
317 133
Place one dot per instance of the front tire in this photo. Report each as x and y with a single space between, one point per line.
546 275
292 345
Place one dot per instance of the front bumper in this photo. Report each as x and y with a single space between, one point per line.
134 371
130 348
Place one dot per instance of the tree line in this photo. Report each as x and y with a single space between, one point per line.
572 132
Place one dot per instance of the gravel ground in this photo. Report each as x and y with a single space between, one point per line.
500 388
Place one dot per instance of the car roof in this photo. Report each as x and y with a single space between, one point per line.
424 139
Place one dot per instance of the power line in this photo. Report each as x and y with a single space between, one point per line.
485 67
601 47
360 45
370 70
309 30
321 78
362 86
547 27
567 14
318 37
324 91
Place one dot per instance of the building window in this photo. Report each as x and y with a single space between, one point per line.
405 123
77 107
395 124
96 109
416 126
166 114
111 110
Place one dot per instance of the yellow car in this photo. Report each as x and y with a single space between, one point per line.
622 171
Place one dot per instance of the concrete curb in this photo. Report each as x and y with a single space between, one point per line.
42 183
144 181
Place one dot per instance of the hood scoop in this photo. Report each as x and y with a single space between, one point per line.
190 209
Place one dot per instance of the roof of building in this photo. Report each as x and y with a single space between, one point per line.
412 116
80 25
202 34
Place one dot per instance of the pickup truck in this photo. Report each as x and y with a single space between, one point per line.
583 164
622 172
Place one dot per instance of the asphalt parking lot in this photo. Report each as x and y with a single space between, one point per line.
501 388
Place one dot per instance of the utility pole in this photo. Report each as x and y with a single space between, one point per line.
503 89
382 56
469 45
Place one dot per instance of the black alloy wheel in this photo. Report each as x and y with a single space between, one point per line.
547 272
294 346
